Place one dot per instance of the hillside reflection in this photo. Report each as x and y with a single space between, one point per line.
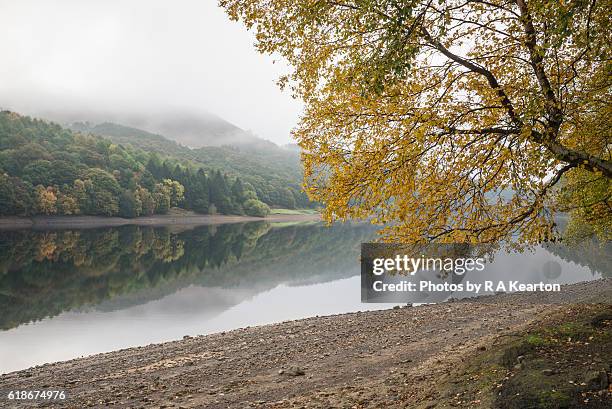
45 273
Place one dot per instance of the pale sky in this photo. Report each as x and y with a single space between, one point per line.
136 54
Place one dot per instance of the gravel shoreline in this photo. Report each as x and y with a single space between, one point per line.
365 359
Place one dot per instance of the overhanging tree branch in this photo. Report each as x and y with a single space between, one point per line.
493 83
559 151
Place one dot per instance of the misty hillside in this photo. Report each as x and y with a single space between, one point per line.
199 130
270 170
128 135
273 162
189 128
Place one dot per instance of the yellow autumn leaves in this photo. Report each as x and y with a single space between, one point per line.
452 121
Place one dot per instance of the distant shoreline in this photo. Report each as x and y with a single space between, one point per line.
59 222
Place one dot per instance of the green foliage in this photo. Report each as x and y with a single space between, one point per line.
585 198
220 193
268 173
197 193
161 196
50 170
254 207
129 204
147 201
16 196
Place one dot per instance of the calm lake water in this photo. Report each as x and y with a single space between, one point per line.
71 293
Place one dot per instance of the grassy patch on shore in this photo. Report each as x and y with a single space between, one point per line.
293 211
564 364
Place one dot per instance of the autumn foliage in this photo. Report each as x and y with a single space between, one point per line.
449 120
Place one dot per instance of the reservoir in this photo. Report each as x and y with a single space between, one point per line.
78 292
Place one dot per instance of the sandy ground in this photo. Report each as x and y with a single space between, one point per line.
62 222
390 358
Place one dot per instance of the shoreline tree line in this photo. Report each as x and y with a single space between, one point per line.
48 170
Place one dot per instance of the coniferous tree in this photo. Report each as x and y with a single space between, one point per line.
238 195
129 204
220 194
199 193
154 166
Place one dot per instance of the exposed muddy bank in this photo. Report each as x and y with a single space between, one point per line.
390 358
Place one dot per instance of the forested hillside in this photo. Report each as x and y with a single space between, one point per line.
274 172
46 169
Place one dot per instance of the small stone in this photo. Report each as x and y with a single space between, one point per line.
598 381
294 371
548 372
